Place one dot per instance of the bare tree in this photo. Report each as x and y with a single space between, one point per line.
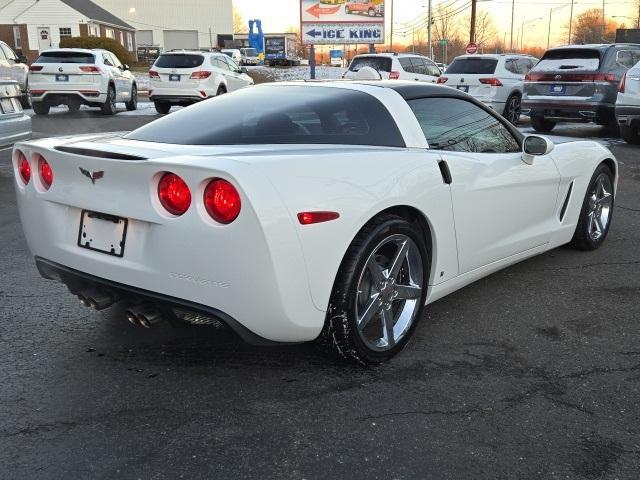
587 28
239 24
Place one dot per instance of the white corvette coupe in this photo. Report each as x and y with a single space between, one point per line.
302 211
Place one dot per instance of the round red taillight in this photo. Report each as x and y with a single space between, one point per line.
174 194
222 201
46 172
24 168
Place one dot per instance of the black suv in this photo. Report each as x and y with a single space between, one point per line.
577 83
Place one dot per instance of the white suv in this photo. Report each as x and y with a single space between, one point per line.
628 106
183 78
396 66
496 80
76 76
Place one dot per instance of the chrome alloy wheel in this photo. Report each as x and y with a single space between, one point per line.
389 292
600 203
513 110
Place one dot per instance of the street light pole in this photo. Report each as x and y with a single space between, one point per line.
472 32
391 36
429 47
513 11
551 10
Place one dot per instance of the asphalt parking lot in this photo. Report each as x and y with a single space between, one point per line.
533 372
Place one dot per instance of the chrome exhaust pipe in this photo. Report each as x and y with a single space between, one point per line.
83 300
99 300
149 318
133 318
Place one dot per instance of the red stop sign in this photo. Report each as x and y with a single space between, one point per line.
472 48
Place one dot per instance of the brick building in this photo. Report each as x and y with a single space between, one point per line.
33 26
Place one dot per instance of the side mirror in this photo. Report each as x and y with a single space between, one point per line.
244 70
535 146
23 59
125 67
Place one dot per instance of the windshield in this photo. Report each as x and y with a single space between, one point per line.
179 61
473 66
276 115
381 64
250 52
564 59
66 57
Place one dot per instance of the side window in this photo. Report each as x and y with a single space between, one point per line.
419 66
432 69
457 125
9 53
2 54
107 60
220 63
116 62
627 58
406 65
233 66
511 66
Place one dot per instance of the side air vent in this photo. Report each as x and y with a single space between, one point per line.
566 202
87 152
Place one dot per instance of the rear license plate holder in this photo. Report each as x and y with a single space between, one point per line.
102 233
557 89
7 106
62 78
463 88
174 78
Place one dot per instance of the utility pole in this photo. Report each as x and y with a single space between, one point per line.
472 33
513 11
604 26
429 47
570 23
549 34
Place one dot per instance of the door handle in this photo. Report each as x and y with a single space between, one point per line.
445 172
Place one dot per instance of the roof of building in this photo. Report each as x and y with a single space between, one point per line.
97 13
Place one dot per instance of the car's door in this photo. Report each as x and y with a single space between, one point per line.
502 206
114 73
122 79
5 68
234 77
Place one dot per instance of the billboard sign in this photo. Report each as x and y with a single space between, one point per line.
326 22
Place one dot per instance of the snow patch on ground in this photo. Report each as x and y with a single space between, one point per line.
144 109
302 72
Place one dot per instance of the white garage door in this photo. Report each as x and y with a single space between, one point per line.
144 37
178 39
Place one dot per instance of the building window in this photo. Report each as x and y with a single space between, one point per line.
129 41
110 33
122 38
65 32
17 40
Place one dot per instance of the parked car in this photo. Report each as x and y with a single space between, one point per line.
15 126
233 53
293 212
577 83
76 76
628 106
396 66
441 66
249 56
15 67
184 78
495 80
372 8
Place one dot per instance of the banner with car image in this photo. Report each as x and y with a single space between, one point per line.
342 21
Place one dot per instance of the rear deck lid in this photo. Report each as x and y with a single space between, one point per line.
65 67
174 69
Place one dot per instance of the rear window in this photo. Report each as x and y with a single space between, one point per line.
279 115
381 64
568 59
472 66
66 57
179 61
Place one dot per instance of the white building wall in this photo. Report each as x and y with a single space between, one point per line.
161 15
44 13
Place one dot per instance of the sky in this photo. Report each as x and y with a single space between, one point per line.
277 15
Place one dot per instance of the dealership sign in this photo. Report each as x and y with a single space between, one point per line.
341 21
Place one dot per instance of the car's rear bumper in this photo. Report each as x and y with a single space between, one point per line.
58 97
627 116
78 281
559 110
176 99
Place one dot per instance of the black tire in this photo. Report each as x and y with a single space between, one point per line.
340 334
25 101
630 134
162 107
582 238
132 104
612 128
221 90
40 108
541 124
73 107
512 109
109 107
